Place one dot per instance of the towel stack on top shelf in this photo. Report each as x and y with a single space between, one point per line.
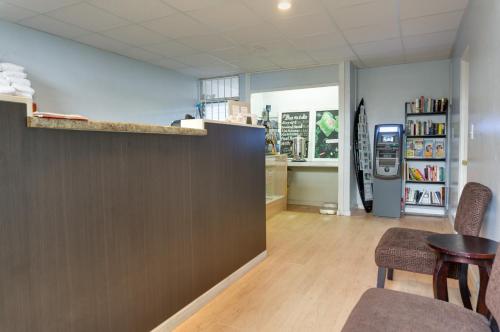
13 81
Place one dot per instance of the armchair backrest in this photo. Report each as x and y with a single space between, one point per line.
471 208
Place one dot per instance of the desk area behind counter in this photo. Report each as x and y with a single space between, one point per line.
307 183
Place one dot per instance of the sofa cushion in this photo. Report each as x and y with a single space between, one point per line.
390 311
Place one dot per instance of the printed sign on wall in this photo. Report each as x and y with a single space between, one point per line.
292 125
327 134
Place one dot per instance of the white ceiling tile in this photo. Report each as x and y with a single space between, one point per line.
139 54
430 40
42 6
267 48
135 35
231 53
412 8
177 26
372 33
253 35
170 49
55 27
371 13
200 60
332 55
187 5
14 13
229 16
254 63
292 60
133 10
429 24
269 8
307 25
336 4
169 63
384 61
319 42
379 48
207 42
87 17
102 42
429 54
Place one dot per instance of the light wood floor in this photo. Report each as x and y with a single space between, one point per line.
317 268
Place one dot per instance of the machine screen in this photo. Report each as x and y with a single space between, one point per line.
386 138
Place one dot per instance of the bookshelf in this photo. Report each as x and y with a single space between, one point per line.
425 177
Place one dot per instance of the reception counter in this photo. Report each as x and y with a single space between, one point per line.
120 228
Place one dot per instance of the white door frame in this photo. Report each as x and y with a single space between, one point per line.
464 122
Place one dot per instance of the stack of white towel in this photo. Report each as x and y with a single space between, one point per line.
13 81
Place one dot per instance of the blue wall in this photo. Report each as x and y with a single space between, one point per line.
70 77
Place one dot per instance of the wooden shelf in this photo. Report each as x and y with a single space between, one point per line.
426 114
424 205
425 159
426 136
426 182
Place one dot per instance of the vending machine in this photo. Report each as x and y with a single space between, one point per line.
387 179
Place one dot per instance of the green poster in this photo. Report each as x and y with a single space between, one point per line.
327 134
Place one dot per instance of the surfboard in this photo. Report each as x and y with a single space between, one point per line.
363 157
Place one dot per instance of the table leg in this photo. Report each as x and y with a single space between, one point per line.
483 284
464 288
440 279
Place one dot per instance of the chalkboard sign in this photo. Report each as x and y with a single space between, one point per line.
292 125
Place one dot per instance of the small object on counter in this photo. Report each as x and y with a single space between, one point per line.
12 75
7 90
47 115
299 149
6 66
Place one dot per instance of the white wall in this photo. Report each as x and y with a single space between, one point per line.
480 31
311 99
294 79
70 77
386 89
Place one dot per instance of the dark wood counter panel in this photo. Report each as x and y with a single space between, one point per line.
113 231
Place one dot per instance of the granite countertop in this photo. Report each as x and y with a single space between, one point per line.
35 122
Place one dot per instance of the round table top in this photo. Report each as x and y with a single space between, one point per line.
463 245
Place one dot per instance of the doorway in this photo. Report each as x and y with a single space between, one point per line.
464 121
313 114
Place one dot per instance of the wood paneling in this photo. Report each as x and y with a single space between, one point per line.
117 231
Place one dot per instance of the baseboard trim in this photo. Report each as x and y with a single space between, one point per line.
171 323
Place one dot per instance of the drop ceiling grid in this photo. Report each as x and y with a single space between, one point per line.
229 36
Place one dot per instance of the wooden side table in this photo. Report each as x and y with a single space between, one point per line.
462 249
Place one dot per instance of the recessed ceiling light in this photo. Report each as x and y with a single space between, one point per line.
284 5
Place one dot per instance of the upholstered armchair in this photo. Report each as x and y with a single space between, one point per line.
406 249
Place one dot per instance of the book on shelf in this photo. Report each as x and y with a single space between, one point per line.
439 148
419 147
422 128
430 173
427 105
425 197
426 148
